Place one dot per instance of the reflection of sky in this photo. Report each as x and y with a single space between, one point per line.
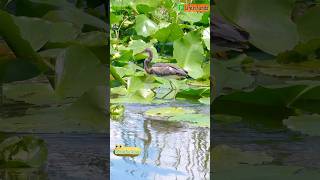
169 151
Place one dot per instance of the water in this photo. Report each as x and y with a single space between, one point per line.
169 150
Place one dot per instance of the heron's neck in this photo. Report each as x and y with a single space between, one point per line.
150 54
145 65
148 60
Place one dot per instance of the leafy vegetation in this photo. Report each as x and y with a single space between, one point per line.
268 85
173 36
280 68
53 56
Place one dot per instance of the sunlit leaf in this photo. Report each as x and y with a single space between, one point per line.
206 37
169 33
144 26
189 54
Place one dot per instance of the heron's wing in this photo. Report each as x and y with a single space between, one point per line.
228 31
168 65
166 70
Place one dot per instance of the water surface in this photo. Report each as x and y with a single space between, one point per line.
170 150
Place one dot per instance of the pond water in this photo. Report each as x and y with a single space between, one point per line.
168 150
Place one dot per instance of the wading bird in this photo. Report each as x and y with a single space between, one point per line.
162 69
227 36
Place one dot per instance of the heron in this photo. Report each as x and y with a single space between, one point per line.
163 69
227 36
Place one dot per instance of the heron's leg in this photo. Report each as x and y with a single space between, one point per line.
170 91
167 93
153 90
174 88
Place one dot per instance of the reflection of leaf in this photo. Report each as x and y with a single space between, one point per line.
25 151
189 54
274 33
144 26
78 70
307 124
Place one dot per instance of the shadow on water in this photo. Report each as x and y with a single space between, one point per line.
169 150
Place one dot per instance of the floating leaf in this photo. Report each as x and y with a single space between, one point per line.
226 119
167 111
230 75
305 69
202 120
205 100
307 124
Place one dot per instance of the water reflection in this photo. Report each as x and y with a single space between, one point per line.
169 150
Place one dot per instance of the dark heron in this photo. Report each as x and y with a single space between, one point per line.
162 69
227 36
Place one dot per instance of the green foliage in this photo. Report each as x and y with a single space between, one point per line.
63 45
78 70
173 37
265 31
